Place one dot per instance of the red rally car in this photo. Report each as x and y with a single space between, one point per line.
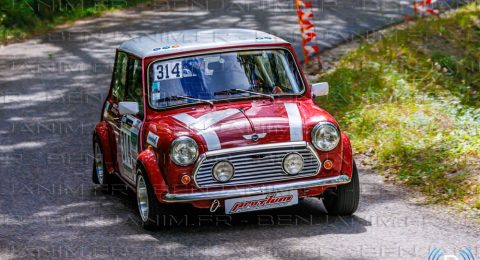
220 118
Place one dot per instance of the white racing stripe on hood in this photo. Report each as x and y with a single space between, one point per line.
211 138
295 122
203 123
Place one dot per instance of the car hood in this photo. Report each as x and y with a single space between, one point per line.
252 123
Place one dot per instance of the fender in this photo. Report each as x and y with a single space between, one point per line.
347 160
148 161
102 132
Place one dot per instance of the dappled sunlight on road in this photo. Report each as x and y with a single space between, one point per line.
51 92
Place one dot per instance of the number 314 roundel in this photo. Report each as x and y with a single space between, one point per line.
168 70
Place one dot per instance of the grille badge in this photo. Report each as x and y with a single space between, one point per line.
255 137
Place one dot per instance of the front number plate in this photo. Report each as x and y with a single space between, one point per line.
261 202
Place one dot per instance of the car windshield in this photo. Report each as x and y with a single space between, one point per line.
206 78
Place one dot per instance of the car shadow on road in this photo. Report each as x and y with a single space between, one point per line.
308 218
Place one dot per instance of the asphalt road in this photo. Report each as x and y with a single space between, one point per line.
51 89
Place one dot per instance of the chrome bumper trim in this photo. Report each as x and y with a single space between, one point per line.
252 191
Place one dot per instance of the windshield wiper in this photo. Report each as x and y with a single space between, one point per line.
237 90
173 98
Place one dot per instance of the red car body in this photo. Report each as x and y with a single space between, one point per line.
156 131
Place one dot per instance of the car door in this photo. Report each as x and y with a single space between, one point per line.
130 125
117 95
126 86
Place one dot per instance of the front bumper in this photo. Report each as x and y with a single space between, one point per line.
257 190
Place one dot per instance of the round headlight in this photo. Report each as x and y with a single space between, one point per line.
223 171
184 151
325 136
293 163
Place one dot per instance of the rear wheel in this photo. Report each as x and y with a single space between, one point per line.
99 174
148 206
344 200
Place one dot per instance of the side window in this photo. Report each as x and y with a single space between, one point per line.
120 76
135 91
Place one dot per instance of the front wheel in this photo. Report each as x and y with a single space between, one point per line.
148 206
344 200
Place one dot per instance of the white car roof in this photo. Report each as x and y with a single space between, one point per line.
188 40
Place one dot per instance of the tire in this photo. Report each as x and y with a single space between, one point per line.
344 200
100 174
149 208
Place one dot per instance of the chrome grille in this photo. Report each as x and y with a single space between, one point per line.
256 164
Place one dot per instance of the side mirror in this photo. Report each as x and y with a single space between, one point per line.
320 89
128 108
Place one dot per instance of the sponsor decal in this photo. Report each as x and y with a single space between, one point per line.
164 48
136 123
134 144
134 130
261 202
152 139
114 109
266 38
269 200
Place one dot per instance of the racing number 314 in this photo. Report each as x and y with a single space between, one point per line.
166 71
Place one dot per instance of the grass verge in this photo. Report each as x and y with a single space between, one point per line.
411 101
